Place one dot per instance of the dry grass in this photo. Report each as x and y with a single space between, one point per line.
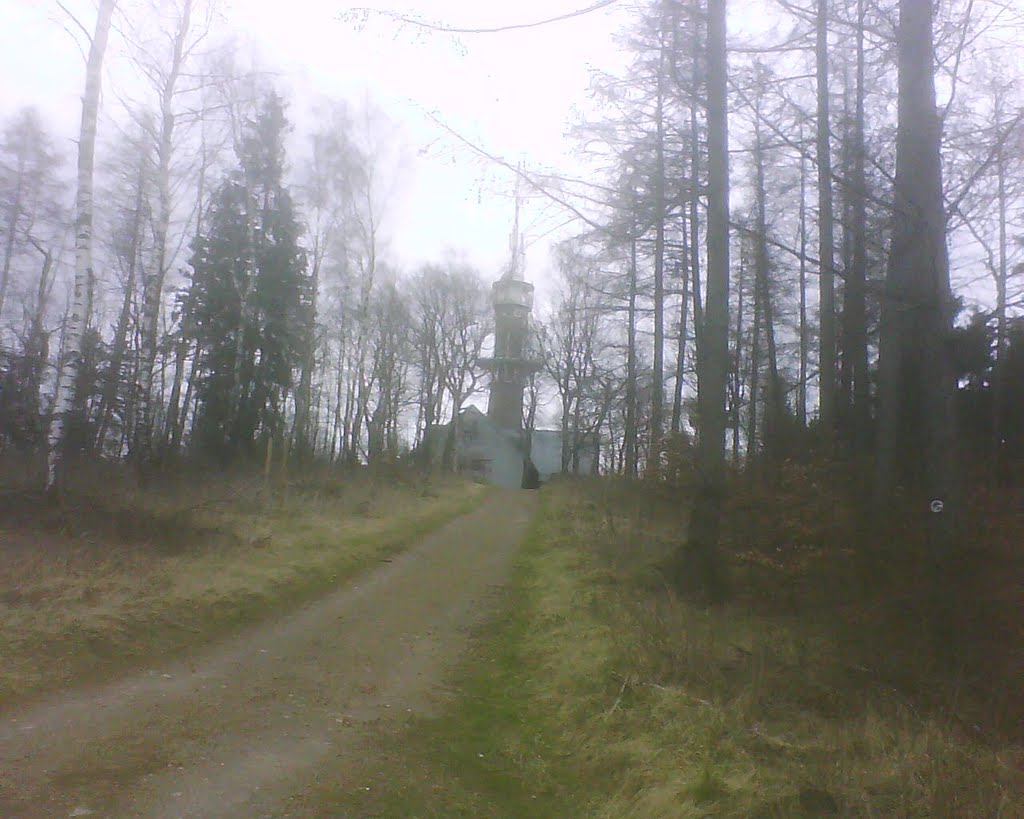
631 702
118 574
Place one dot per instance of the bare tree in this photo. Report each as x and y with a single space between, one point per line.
163 67
83 243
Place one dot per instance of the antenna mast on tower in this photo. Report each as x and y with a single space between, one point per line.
517 242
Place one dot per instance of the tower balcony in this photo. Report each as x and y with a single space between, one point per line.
512 293
513 367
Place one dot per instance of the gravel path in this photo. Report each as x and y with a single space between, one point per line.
242 729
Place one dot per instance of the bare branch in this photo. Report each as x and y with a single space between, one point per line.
438 27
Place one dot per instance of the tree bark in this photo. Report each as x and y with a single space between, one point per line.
775 403
152 292
684 313
855 331
753 443
917 435
804 331
702 561
630 431
826 249
658 378
997 456
64 396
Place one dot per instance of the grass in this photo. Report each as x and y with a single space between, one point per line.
494 752
599 692
120 575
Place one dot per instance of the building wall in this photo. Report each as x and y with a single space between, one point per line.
491 454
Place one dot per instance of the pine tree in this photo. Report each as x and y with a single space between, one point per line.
251 295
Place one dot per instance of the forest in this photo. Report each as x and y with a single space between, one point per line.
800 244
787 301
212 280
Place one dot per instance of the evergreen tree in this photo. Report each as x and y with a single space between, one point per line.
251 294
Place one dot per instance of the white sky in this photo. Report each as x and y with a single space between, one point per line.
511 92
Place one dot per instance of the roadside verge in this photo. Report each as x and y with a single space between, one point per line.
80 602
600 692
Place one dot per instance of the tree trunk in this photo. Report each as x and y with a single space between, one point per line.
737 396
684 312
118 345
803 330
775 403
174 406
658 378
303 443
826 249
917 435
702 561
755 368
997 456
855 331
13 215
152 292
120 340
698 312
64 395
630 431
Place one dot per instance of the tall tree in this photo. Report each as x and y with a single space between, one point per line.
856 389
166 78
917 429
826 250
30 191
64 397
702 560
251 294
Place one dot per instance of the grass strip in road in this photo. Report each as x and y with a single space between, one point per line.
82 602
599 692
494 751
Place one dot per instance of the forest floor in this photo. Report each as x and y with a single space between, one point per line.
292 717
525 662
600 692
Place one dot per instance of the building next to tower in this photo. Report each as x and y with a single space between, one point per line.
495 447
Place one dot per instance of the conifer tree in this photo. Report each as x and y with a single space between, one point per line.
251 294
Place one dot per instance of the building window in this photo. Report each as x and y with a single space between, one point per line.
479 466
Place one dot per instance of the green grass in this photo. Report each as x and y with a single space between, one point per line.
598 692
122 576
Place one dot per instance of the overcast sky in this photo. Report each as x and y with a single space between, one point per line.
513 93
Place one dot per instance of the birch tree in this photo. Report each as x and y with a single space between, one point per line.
165 78
64 397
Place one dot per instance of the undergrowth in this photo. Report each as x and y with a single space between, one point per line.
603 693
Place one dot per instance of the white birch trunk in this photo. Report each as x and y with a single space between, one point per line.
64 396
152 294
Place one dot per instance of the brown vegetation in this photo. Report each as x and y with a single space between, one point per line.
812 693
116 574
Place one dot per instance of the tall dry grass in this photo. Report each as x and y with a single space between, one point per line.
116 573
760 708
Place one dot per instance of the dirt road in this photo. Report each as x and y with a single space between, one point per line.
243 729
